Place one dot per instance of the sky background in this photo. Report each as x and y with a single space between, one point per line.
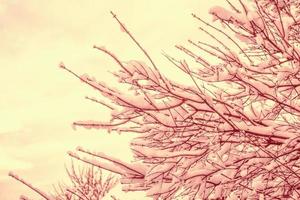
39 101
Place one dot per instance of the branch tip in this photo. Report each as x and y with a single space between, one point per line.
11 174
62 65
113 14
79 148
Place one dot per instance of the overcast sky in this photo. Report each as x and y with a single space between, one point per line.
39 101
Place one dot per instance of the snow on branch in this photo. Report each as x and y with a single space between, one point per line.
234 132
131 168
151 153
38 191
96 163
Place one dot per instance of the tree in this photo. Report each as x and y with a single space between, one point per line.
87 183
234 133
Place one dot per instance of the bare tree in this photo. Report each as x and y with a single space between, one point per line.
87 184
234 133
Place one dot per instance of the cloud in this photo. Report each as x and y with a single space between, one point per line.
9 162
9 123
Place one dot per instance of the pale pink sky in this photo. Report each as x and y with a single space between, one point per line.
39 101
